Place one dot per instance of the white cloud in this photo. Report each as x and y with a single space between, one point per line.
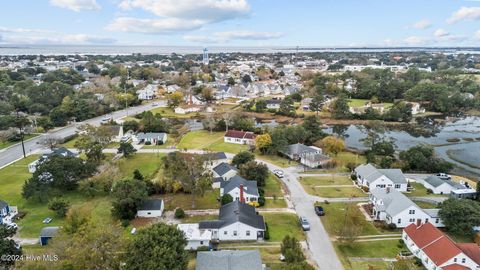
223 37
206 10
44 36
415 40
440 33
423 24
153 26
465 13
477 35
23 30
76 5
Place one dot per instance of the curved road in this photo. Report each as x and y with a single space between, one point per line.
15 152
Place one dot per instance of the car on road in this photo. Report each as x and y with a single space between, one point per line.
319 210
305 224
105 120
444 176
278 173
47 220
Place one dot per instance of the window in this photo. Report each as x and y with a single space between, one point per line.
225 232
149 213
411 220
411 212
248 233
426 220
436 220
399 221
234 233
463 260
454 259
201 242
397 185
381 186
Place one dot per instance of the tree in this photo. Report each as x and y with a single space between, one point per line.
126 149
231 81
8 245
59 205
286 107
128 195
160 246
421 158
175 99
226 199
190 170
137 175
313 128
242 158
333 144
316 104
384 148
260 106
263 142
460 215
246 79
51 142
340 108
254 171
292 250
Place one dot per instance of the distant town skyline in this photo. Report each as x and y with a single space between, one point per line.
344 23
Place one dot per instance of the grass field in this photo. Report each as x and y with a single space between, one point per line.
170 113
335 215
361 102
278 203
281 224
147 164
425 205
334 192
184 201
202 139
198 218
420 191
276 160
326 180
273 186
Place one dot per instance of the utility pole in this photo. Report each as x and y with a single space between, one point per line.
125 89
20 127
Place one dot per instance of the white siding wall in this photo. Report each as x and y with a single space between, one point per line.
235 193
442 189
227 233
195 244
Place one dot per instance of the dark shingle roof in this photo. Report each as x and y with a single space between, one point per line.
240 134
210 224
49 231
298 149
151 204
236 181
229 260
223 168
150 135
3 204
241 212
216 156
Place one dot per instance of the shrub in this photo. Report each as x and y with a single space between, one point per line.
353 177
226 198
429 191
203 248
261 201
365 188
392 226
125 223
351 166
159 142
261 192
400 243
59 205
266 236
179 213
148 143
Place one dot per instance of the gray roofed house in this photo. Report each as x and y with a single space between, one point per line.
371 177
440 186
57 152
241 212
152 137
151 208
392 206
309 156
229 260
223 169
240 189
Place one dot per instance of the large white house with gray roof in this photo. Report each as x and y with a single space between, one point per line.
240 189
373 178
392 206
441 186
236 221
222 172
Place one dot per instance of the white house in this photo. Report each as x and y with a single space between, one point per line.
185 109
437 251
150 208
373 178
309 156
393 207
440 186
215 159
195 236
148 92
239 137
273 104
416 108
7 212
240 189
151 137
61 152
221 173
237 221
172 88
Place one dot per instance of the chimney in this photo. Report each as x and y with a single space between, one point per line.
242 199
419 222
191 99
388 190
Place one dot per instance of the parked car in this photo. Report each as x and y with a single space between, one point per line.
12 225
47 220
305 224
319 210
444 176
278 173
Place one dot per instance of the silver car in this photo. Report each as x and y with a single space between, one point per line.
305 224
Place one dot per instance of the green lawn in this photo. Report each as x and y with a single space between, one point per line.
5 144
335 215
343 158
199 139
326 180
12 179
278 203
170 113
276 160
169 144
334 192
281 224
71 144
426 205
273 186
355 102
198 218
221 146
420 191
148 164
184 201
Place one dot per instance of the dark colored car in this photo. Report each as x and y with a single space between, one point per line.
319 210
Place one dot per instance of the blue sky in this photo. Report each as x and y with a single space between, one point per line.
242 22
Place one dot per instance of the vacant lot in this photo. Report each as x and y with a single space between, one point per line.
334 192
281 224
147 164
326 180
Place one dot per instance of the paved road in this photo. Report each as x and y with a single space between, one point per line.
15 152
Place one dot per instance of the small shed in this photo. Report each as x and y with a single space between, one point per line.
47 233
151 208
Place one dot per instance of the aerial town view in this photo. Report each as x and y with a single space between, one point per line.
240 135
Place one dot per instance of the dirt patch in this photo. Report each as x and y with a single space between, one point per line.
142 222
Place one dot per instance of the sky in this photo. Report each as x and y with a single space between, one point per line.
328 23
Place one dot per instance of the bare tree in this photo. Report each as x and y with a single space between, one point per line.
51 142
